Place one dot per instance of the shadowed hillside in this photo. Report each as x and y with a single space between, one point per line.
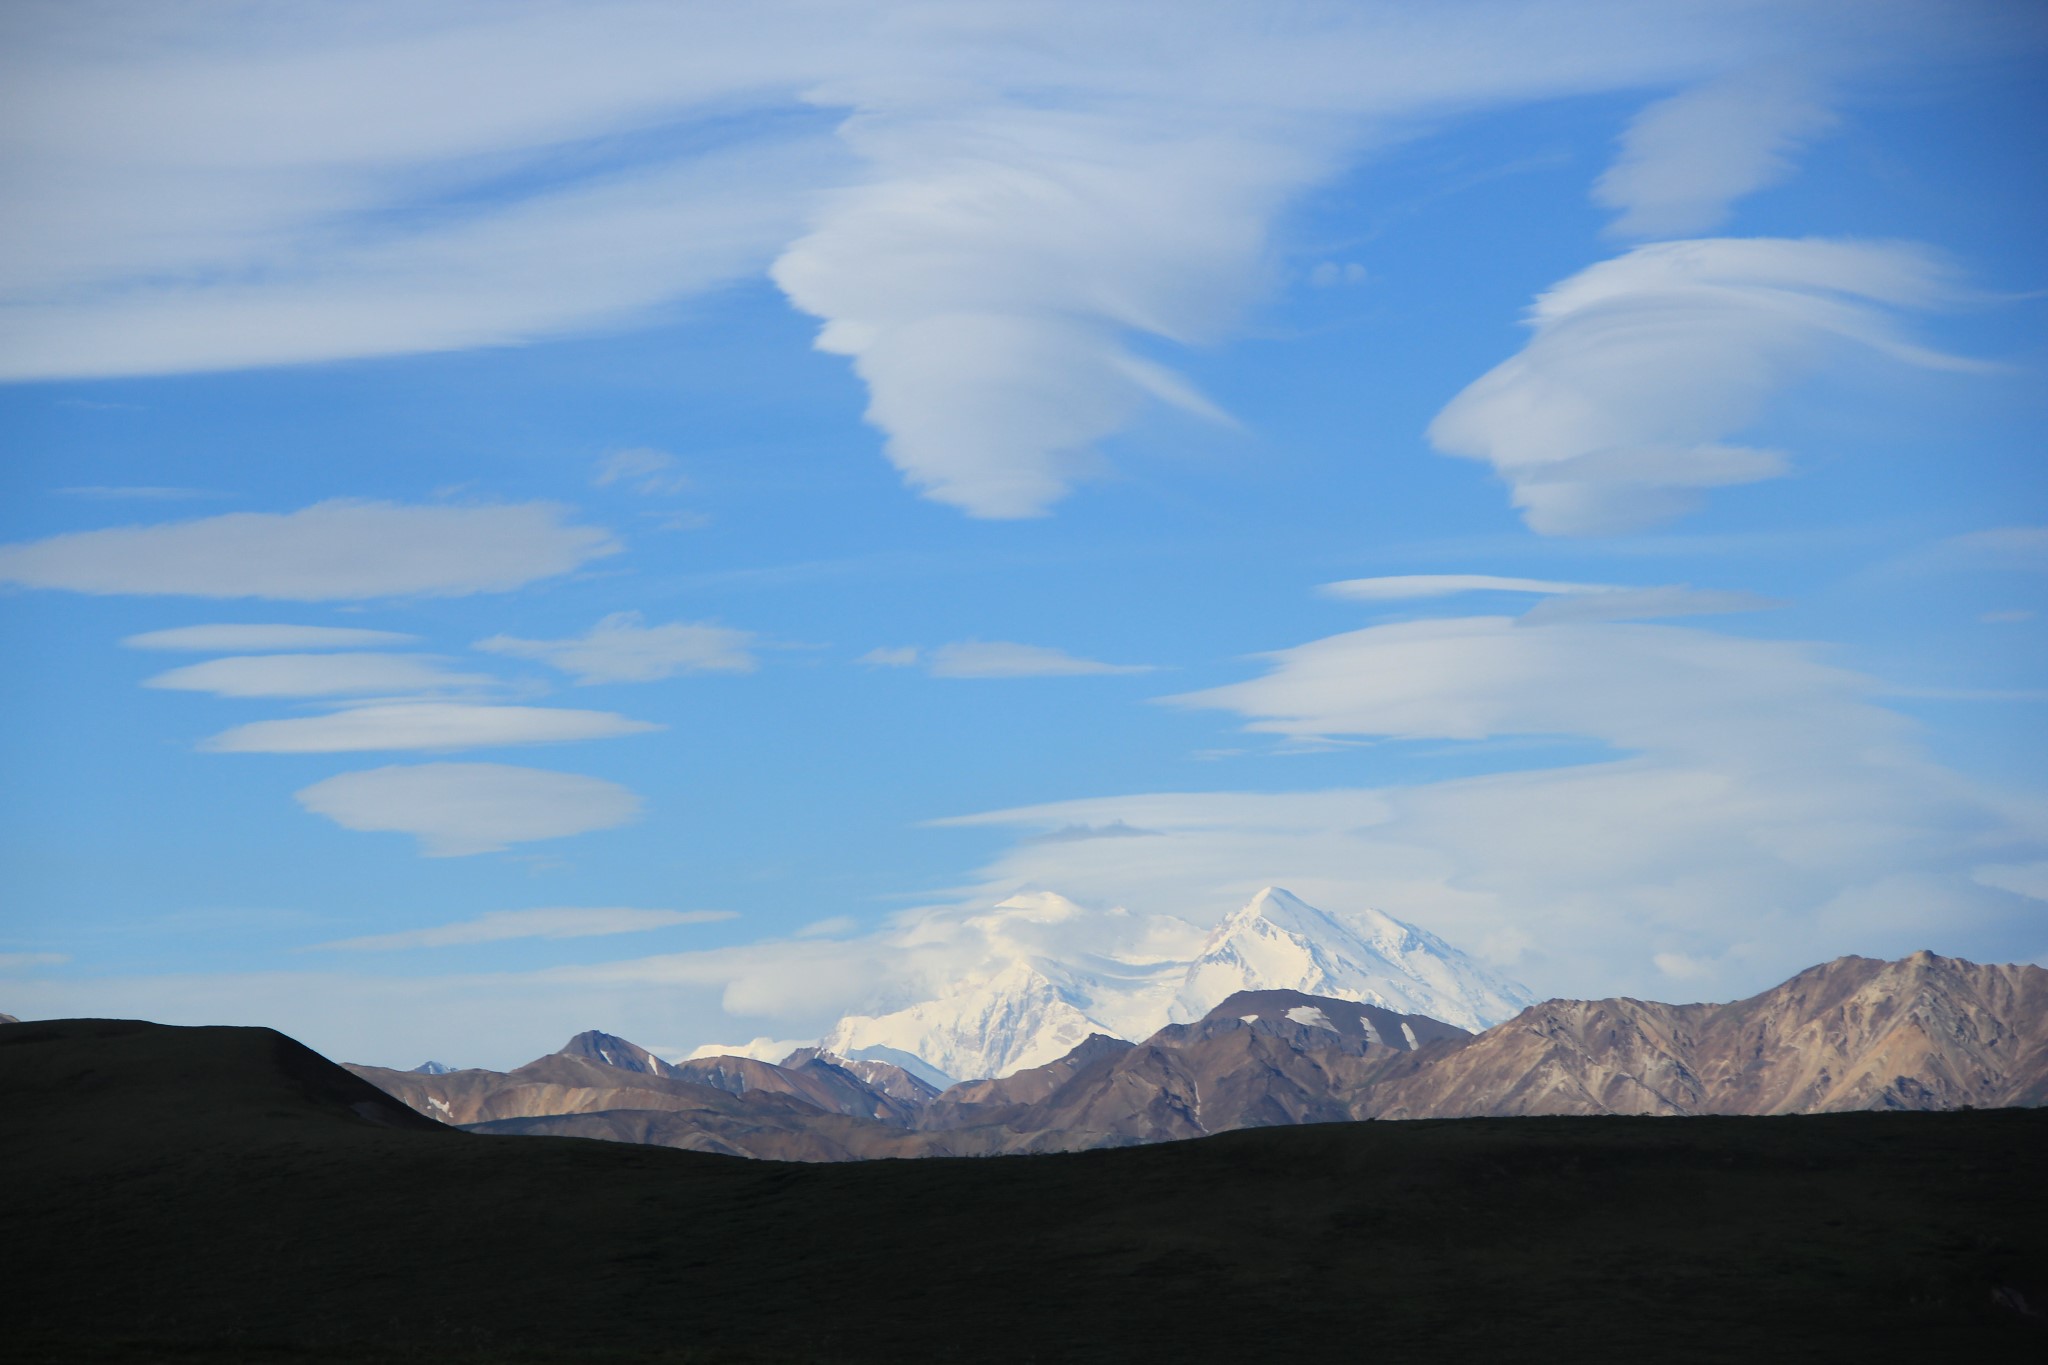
225 1195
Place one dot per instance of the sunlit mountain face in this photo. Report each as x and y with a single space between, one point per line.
892 528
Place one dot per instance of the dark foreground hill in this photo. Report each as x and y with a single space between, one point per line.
213 1195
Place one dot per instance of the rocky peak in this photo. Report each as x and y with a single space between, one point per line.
610 1050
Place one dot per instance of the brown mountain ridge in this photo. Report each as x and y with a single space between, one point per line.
1922 1033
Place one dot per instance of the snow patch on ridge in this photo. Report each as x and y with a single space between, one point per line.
1312 1016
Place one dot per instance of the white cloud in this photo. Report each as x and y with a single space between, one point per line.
316 675
553 923
330 551
1405 587
983 278
311 288
1002 659
1681 967
620 648
430 725
15 962
1763 813
458 809
1685 159
917 954
1656 688
648 471
1576 879
905 656
1616 413
253 638
762 1049
1012 194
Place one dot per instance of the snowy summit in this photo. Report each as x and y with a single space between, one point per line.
1031 1010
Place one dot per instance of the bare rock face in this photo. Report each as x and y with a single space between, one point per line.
821 1080
1925 1032
613 1051
1259 1059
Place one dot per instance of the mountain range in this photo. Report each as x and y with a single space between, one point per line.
1922 1033
1028 1006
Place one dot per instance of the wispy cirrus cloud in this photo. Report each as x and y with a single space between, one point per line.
642 469
458 810
331 551
498 926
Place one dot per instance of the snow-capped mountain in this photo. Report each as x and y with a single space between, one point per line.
1034 1008
1014 1019
1280 942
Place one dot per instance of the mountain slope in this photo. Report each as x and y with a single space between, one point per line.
1260 1059
1925 1032
600 1085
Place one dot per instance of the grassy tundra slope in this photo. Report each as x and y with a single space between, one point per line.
200 1195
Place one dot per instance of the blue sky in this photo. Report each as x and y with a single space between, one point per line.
1567 475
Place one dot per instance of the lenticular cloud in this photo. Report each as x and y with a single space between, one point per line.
1617 413
458 809
331 551
983 281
